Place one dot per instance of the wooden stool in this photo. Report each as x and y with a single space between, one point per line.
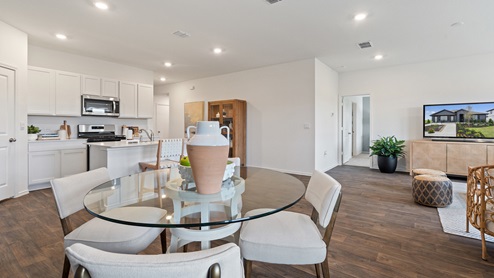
431 172
432 191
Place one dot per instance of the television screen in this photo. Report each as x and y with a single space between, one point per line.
459 120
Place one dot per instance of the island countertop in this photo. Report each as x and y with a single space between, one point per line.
123 144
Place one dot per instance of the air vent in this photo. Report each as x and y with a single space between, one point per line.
273 1
181 34
363 45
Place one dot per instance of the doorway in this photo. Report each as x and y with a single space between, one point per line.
162 121
356 130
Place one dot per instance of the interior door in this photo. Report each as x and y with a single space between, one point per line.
162 120
347 136
7 138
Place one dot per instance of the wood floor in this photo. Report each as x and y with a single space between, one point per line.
379 232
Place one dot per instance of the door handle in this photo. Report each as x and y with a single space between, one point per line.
12 140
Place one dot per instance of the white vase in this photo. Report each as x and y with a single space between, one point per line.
208 155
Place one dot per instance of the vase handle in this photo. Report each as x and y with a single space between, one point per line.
188 131
227 132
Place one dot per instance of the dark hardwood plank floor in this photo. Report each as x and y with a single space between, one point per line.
379 232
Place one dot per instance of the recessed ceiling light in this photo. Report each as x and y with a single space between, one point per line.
217 50
378 57
168 64
61 36
457 24
360 16
101 5
163 79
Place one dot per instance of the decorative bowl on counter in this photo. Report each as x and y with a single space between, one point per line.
186 172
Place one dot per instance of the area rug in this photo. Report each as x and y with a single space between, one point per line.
453 217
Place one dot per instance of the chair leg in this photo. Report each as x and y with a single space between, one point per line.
66 267
484 248
318 270
247 268
325 268
163 241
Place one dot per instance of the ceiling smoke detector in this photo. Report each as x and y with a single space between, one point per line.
363 45
181 34
273 1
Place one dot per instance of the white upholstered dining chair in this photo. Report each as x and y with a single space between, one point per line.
69 194
294 238
221 261
169 153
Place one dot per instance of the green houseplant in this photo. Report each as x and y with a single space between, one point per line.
32 132
388 149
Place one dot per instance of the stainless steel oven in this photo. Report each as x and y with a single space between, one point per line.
100 106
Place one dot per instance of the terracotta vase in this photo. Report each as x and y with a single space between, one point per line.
208 155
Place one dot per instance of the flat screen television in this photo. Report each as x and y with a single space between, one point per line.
466 121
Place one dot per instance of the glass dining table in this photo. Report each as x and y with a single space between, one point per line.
216 215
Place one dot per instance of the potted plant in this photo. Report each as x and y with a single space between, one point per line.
388 149
32 132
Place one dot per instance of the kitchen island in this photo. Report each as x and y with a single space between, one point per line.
121 157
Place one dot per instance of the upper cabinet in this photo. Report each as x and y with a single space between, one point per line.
109 87
144 101
128 100
94 85
52 92
136 100
58 93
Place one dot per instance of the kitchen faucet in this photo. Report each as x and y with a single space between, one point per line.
151 137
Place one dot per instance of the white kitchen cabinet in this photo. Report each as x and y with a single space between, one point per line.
109 87
97 86
145 107
41 91
54 159
52 92
128 100
91 85
43 166
68 94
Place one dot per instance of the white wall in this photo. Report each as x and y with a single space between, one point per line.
13 54
326 117
280 100
398 93
52 59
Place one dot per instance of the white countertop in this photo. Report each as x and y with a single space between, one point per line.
123 144
58 141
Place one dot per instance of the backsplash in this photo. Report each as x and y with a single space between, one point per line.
51 124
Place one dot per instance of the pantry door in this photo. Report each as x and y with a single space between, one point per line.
7 136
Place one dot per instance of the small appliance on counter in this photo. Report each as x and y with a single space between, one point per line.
98 133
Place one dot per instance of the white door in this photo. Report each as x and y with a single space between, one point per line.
347 136
7 136
162 120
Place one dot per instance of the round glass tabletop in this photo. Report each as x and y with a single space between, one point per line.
250 188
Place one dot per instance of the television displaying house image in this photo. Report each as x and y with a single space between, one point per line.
459 120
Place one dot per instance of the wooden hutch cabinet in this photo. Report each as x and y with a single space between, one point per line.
232 113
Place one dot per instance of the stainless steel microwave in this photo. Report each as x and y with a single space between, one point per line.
100 106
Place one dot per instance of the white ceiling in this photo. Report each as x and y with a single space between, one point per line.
254 33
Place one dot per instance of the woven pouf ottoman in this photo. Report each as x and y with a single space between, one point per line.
431 172
432 191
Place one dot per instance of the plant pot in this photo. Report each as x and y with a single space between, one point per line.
387 164
32 137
